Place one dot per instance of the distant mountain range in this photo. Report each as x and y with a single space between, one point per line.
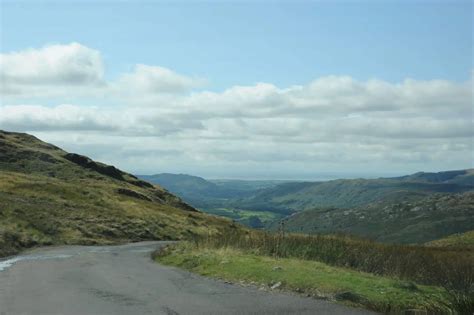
208 193
365 207
348 193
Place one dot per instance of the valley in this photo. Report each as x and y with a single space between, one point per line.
255 233
416 208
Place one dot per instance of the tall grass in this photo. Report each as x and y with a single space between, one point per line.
449 268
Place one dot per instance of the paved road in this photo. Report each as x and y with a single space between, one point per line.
124 280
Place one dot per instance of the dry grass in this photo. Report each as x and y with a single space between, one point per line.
447 268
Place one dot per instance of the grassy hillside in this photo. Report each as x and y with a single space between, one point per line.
418 221
458 240
49 196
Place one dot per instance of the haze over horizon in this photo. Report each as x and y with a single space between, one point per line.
266 90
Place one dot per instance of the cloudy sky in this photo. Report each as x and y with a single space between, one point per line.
276 90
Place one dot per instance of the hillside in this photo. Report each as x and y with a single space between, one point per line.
458 240
349 193
418 221
49 196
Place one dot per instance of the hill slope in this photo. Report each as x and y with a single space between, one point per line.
419 221
49 196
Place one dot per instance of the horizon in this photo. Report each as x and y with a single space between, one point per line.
263 91
310 178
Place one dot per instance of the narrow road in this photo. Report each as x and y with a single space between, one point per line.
123 279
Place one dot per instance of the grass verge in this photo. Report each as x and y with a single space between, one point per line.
313 278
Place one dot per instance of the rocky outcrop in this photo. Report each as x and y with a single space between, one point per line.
103 169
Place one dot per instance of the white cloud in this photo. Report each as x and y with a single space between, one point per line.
54 65
155 80
149 124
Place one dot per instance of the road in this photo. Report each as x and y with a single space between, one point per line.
124 280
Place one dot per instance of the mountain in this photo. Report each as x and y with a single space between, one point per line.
259 204
417 221
349 193
193 189
204 193
49 196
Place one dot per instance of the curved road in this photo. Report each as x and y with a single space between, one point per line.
123 279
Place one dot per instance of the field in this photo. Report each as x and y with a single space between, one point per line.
252 218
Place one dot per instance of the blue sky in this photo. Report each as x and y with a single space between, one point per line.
232 43
244 89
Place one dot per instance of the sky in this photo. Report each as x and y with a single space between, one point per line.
244 89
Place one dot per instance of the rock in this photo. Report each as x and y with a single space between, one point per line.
132 193
276 285
103 169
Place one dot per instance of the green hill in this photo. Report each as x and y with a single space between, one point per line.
49 196
417 221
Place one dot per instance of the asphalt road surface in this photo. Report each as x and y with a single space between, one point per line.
88 280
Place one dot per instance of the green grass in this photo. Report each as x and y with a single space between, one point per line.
451 269
308 277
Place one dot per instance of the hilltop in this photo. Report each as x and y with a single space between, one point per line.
49 196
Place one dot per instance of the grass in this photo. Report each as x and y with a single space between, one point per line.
449 269
308 277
